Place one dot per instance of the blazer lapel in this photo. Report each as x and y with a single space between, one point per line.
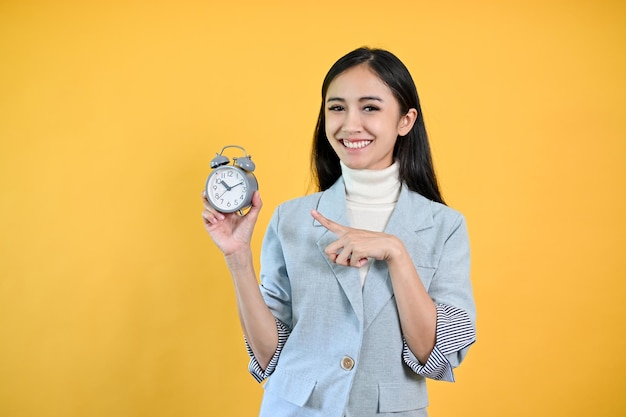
411 215
332 205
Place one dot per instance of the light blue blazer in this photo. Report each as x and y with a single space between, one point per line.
344 354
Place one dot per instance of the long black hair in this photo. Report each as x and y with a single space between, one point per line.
412 152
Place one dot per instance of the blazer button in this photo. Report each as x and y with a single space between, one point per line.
347 363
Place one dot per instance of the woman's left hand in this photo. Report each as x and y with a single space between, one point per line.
354 246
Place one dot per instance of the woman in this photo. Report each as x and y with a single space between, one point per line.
365 287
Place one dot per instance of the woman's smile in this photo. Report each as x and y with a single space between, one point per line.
355 144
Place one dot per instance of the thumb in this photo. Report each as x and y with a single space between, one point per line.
257 204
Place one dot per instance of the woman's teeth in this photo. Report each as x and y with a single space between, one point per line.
357 144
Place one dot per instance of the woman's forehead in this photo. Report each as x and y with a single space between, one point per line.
356 83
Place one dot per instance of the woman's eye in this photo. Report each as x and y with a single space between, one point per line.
370 108
336 108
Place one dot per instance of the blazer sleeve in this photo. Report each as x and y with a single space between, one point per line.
451 291
255 368
275 284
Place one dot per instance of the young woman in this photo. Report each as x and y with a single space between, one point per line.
365 287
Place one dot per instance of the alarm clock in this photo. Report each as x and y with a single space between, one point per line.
229 188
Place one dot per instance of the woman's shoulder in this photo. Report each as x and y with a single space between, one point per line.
290 214
440 213
308 201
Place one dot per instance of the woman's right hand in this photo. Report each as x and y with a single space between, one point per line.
231 232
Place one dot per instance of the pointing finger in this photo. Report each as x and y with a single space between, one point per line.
336 228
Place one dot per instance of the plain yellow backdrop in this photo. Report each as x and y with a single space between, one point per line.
113 300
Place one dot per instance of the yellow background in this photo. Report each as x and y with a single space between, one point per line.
113 300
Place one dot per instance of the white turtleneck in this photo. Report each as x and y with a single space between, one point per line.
371 196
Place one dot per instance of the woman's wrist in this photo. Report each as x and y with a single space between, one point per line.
239 259
396 251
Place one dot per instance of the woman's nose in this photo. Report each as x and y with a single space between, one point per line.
351 122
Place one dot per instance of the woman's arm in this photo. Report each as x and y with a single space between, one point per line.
232 234
437 324
257 322
418 315
417 312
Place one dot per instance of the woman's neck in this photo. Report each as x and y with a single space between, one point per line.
372 186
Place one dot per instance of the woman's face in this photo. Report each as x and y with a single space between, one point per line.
363 119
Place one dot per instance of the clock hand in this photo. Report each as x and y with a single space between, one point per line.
228 188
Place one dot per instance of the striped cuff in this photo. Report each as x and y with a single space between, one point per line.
454 333
254 368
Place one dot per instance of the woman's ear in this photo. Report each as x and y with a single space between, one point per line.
406 122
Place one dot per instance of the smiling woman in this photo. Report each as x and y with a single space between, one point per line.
364 96
344 323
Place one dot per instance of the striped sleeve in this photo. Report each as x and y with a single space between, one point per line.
254 368
454 333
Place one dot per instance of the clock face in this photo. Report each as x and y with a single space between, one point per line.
227 189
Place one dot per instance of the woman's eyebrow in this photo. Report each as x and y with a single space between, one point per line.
370 98
365 98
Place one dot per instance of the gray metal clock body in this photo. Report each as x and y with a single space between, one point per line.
229 188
